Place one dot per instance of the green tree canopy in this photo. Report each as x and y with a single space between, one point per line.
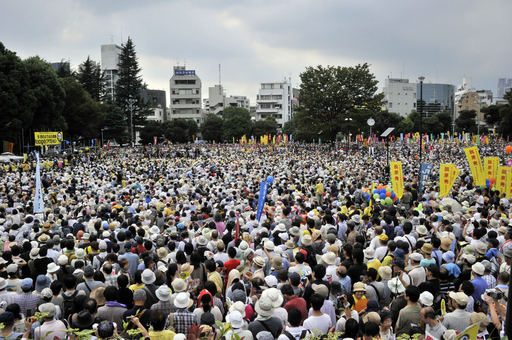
466 121
128 86
16 96
84 116
265 126
329 94
150 131
237 122
115 124
211 129
290 127
177 130
92 79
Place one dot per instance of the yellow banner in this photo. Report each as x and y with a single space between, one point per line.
491 166
469 333
397 178
508 191
445 171
501 178
475 164
48 138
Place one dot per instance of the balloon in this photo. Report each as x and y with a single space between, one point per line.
380 187
393 195
270 179
508 149
492 180
388 189
376 191
382 196
389 201
382 191
376 196
394 199
388 194
488 185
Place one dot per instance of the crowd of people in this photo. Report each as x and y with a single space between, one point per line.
166 242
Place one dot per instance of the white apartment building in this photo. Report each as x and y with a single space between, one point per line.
275 99
218 100
400 96
185 95
109 60
242 101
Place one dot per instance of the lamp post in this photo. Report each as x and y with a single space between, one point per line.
421 79
478 116
348 133
131 102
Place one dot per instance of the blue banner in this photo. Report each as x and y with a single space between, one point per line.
261 199
38 199
426 170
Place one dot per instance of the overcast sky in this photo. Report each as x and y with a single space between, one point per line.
262 40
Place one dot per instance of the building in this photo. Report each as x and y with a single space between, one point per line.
218 100
400 96
275 99
436 98
109 60
57 66
157 103
185 87
242 101
475 100
504 85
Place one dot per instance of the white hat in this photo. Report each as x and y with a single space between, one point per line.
148 277
416 257
52 267
62 260
238 307
427 299
329 258
263 306
182 300
275 295
271 281
422 230
269 245
163 293
154 230
236 319
478 268
369 253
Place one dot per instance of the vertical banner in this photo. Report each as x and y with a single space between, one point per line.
501 178
425 171
155 139
508 191
475 164
453 176
397 178
444 179
491 166
38 199
237 227
261 199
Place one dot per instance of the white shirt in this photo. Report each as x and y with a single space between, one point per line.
321 323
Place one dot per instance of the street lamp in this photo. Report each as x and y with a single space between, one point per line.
478 116
131 102
421 79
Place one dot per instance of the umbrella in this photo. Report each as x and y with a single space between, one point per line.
8 156
453 203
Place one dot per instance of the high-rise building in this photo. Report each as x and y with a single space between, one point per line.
468 98
436 98
185 87
275 99
504 85
157 103
109 60
399 96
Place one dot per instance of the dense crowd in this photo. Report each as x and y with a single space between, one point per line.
161 242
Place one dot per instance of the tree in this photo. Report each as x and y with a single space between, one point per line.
386 119
211 129
92 79
176 130
16 97
466 121
192 128
128 86
290 127
151 130
64 70
237 122
265 126
84 116
115 124
405 126
49 96
330 94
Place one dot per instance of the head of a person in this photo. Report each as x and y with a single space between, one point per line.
428 315
111 293
294 317
157 320
412 293
370 330
317 301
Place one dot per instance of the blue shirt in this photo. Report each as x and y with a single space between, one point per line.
480 287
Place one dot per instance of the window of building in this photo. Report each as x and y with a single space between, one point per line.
173 111
414 95
398 103
414 104
197 111
267 86
467 107
265 97
277 97
466 101
154 100
390 105
185 82
398 93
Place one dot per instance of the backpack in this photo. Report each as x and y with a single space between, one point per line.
67 304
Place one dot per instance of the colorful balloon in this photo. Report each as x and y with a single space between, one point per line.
508 149
270 179
389 201
376 196
388 189
393 195
382 196
388 194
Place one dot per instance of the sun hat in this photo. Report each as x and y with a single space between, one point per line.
421 230
427 299
259 261
470 258
236 319
52 268
289 244
396 286
359 287
63 260
162 252
80 253
427 248
182 301
264 306
201 241
478 268
48 308
329 258
450 334
3 283
265 335
239 307
482 318
446 243
469 249
148 276
179 285
306 240
163 293
97 294
277 262
385 272
317 234
383 237
34 253
449 256
12 268
42 282
275 295
369 253
154 230
399 254
294 231
416 257
371 317
271 281
84 319
269 245
480 248
459 297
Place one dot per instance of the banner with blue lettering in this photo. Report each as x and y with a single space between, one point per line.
38 199
263 194
425 171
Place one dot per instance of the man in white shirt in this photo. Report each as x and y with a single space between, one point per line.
318 320
295 330
417 273
300 266
382 250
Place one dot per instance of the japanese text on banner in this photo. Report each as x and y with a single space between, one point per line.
501 178
475 164
397 178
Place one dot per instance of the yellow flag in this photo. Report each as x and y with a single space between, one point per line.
469 333
501 178
475 164
491 166
397 178
508 191
444 179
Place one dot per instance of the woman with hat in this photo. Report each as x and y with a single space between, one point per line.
259 263
426 251
358 292
318 242
237 323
